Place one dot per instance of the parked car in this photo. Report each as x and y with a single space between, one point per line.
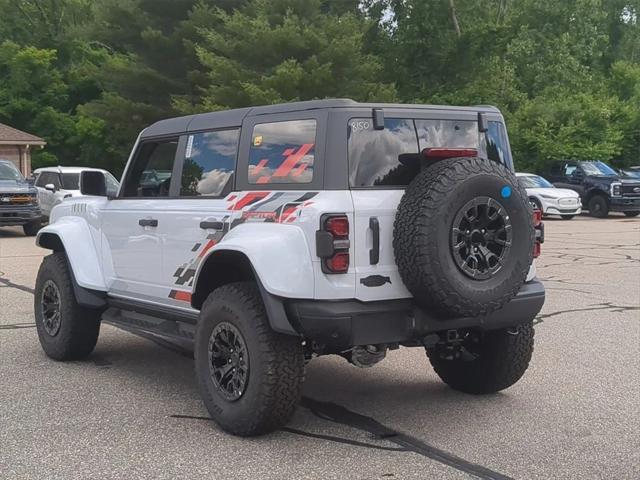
549 199
290 231
54 184
18 200
600 187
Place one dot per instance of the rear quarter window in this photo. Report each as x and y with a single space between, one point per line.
282 152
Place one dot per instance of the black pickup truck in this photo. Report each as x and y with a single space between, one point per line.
600 187
18 200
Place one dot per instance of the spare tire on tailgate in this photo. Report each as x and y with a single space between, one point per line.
463 237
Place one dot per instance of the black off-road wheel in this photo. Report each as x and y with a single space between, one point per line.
66 330
486 362
463 237
632 214
598 206
31 229
249 376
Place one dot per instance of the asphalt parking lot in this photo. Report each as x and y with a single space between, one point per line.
132 409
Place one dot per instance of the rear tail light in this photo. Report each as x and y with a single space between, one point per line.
339 263
538 225
337 226
332 243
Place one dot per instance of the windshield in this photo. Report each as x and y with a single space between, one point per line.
534 181
598 169
9 172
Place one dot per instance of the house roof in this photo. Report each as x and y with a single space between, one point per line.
13 136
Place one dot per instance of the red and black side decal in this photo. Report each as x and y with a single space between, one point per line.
276 207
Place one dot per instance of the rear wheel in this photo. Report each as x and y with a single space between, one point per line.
485 362
632 214
66 330
250 377
598 206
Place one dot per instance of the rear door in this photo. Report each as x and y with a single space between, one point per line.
200 212
381 164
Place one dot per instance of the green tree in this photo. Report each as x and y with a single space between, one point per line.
274 51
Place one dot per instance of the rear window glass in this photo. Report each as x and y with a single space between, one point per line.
282 152
391 157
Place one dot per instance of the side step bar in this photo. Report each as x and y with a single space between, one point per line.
178 330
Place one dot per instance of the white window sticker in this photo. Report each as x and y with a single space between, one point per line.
189 147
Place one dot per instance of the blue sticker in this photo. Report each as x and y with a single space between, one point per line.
506 191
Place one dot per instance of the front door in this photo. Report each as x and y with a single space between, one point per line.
134 224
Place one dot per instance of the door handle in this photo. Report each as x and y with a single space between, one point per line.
211 225
148 222
374 253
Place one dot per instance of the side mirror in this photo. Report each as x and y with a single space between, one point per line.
93 183
50 186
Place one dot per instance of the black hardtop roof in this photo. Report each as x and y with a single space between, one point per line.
234 117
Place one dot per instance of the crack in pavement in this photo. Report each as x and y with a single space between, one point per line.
598 306
9 284
15 326
338 414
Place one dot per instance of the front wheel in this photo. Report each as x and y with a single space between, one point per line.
66 330
484 362
31 229
632 214
249 376
598 206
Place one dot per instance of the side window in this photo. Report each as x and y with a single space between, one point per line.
210 162
569 168
150 174
388 157
42 179
497 145
282 152
71 181
112 185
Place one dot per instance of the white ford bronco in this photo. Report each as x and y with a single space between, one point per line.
262 237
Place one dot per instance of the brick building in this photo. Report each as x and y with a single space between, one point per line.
16 145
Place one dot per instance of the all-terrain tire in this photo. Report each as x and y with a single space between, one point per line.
275 363
31 229
502 358
424 225
632 214
598 206
75 335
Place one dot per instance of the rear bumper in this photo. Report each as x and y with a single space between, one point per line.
351 322
18 215
624 204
